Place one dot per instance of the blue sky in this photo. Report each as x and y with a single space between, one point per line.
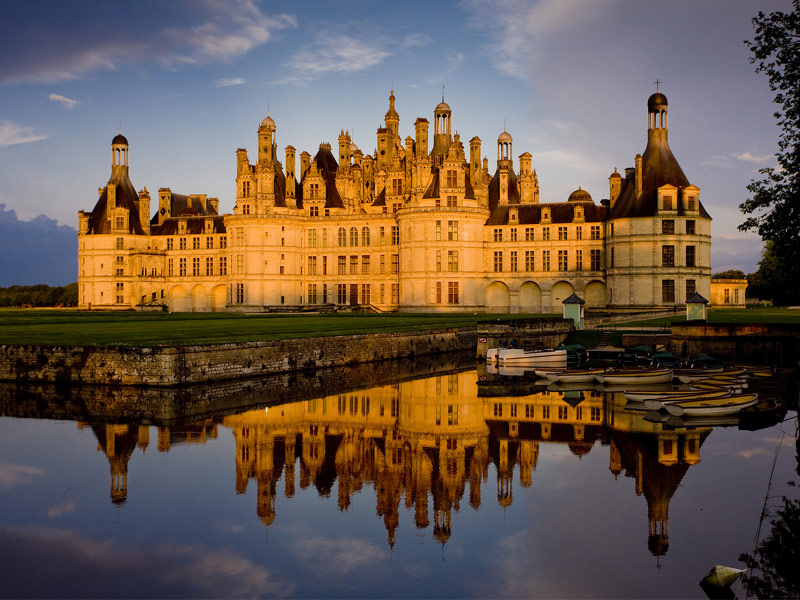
190 82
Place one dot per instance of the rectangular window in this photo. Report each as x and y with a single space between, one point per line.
545 412
395 235
545 260
498 409
365 265
182 243
595 232
690 230
120 222
120 243
341 261
383 236
562 260
513 265
223 265
196 266
668 256
383 264
594 413
365 293
452 201
438 230
223 241
594 260
354 265
341 293
395 293
452 231
452 178
312 265
195 243
529 262
170 243
120 293
365 236
395 263
240 236
668 291
438 260
240 264
438 292
452 261
611 258
690 256
579 233
727 293
529 234
546 234
562 413
562 233
239 293
579 260
667 227
667 202
209 266
452 292
498 261
312 238
691 288
209 242
170 267
513 234
182 267
324 265
498 235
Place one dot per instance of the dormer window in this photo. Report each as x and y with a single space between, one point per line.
513 215
209 227
546 215
182 227
578 215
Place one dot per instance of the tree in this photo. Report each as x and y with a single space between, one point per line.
774 205
729 274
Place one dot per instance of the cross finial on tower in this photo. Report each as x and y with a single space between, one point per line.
657 82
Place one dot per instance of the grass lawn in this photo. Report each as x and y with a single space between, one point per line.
76 328
729 315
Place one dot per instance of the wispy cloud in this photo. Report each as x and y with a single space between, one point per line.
335 53
221 32
67 103
746 156
13 474
62 509
10 134
340 556
416 39
520 30
229 82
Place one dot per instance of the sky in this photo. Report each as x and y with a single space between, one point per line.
188 82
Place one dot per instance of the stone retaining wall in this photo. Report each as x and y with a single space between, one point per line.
170 366
522 333
761 343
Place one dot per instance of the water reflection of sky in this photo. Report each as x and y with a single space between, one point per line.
578 530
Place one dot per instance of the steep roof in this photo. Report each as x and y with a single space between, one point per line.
195 224
562 212
126 197
494 189
326 163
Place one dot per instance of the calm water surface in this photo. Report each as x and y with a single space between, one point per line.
433 487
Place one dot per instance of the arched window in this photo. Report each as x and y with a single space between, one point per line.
342 237
365 236
353 236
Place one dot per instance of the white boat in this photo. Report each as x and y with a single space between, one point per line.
642 394
573 375
635 376
662 402
712 406
519 357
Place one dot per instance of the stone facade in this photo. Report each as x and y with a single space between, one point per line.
728 293
412 227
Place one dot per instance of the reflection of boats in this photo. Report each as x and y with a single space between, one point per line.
712 406
519 357
573 375
642 395
635 376
675 398
513 371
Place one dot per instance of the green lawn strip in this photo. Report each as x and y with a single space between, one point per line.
153 329
728 315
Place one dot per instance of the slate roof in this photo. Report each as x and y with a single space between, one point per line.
126 197
531 214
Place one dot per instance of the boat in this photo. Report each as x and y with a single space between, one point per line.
519 357
635 376
642 394
665 360
573 375
638 355
704 361
687 374
728 405
576 353
662 402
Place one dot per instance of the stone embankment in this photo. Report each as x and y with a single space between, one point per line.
176 366
762 343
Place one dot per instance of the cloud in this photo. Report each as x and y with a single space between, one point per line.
746 156
341 556
520 30
335 53
416 39
13 475
221 32
67 103
717 160
11 134
229 82
62 509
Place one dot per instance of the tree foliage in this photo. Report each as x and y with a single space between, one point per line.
774 204
729 274
39 295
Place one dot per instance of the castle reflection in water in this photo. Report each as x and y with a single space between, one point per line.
418 443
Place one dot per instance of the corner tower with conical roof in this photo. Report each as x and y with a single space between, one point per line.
658 235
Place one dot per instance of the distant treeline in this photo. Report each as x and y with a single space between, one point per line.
39 295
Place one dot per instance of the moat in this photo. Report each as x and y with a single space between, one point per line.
418 480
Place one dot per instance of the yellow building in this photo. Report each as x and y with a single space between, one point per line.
408 228
728 293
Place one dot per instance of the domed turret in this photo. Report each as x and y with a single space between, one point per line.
657 101
504 146
579 195
119 139
269 123
442 107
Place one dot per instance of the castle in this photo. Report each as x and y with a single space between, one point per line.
413 227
